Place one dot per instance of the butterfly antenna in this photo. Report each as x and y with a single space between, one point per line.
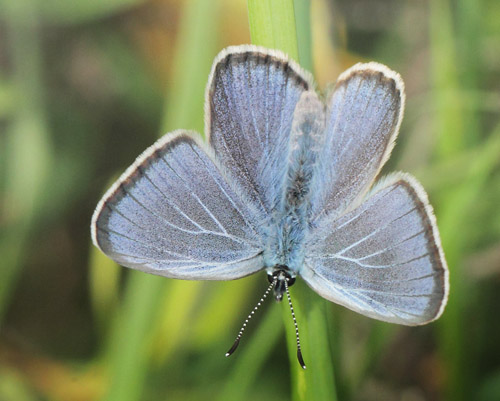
299 352
238 337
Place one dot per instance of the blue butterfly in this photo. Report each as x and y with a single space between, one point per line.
285 184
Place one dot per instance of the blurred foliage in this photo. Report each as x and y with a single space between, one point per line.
86 86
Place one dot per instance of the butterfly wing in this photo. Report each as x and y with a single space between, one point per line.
251 97
173 213
384 258
363 116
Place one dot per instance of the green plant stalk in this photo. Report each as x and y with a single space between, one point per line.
444 75
304 34
469 38
317 382
273 24
451 141
453 343
129 348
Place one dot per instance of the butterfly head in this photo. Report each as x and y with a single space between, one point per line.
281 277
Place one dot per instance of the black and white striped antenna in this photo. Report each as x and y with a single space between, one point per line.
299 351
238 337
252 313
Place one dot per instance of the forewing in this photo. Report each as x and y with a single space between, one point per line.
363 117
384 258
251 97
174 214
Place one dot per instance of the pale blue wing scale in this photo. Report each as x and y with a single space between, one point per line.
250 100
363 116
384 258
174 214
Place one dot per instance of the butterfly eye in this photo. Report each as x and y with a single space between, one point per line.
281 273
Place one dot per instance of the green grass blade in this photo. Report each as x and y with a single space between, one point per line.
128 347
462 199
268 22
194 55
317 382
444 74
272 24
304 34
450 121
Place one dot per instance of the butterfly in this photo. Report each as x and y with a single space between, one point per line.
284 184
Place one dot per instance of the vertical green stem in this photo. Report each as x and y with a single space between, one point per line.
128 346
449 128
273 24
304 34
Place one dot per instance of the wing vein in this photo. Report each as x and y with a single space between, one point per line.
375 232
236 208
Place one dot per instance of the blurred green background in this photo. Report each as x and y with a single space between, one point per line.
86 86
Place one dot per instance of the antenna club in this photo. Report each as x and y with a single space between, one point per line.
233 348
301 360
